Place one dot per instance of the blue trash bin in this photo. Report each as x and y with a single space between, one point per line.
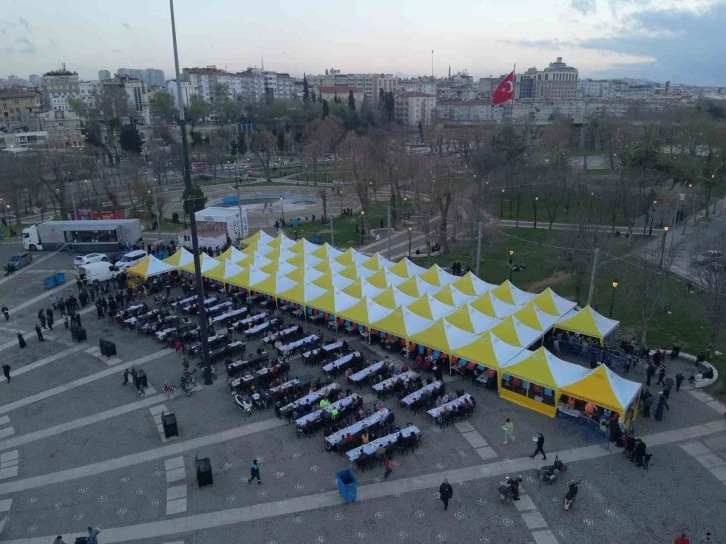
49 282
347 485
59 278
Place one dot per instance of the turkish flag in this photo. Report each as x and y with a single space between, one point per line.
505 90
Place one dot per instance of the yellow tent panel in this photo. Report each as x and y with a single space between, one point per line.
393 298
488 350
588 322
597 387
470 285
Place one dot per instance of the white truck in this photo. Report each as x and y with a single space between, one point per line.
215 225
84 236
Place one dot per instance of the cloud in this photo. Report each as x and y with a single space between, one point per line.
687 46
586 7
115 50
125 25
548 45
24 23
23 46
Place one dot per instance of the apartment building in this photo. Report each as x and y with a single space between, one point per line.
412 108
329 93
597 88
468 111
251 85
425 85
64 128
370 84
58 86
18 106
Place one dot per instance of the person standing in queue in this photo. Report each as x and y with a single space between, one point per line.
446 492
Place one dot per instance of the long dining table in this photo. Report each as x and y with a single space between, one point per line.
384 441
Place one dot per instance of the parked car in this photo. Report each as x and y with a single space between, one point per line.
130 259
80 260
20 260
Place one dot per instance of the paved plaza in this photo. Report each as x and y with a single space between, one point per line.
77 449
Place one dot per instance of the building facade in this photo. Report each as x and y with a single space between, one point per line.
370 84
186 92
468 111
420 85
64 128
597 88
35 80
18 106
58 86
412 108
150 76
342 92
104 75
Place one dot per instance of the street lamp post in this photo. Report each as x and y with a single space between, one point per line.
511 255
592 194
535 211
662 245
282 209
340 192
409 242
612 299
501 206
362 226
652 215
201 310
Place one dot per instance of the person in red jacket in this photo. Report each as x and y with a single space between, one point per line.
682 539
389 467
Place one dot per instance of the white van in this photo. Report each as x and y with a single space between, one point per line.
130 259
96 272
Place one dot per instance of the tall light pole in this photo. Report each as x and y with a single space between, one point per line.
612 300
535 211
501 206
282 208
511 255
340 192
652 215
662 245
201 310
362 225
409 242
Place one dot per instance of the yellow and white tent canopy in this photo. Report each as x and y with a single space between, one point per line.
402 323
472 320
361 288
604 388
258 237
406 269
469 284
302 293
255 259
351 256
326 252
543 368
180 258
512 294
303 259
552 303
394 298
377 262
365 311
430 308
281 242
282 267
588 322
453 297
492 306
416 287
305 274
384 278
233 254
247 277
150 266
489 351
532 316
438 276
206 264
274 284
332 280
355 271
333 301
329 264
224 271
280 254
514 332
258 247
444 336
303 246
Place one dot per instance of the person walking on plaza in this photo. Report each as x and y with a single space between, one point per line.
254 472
446 492
66 319
679 380
661 375
126 376
389 467
540 444
59 540
49 318
508 429
650 372
705 539
6 371
21 340
41 317
683 539
39 333
6 312
93 536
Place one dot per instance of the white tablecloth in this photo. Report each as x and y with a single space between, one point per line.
413 397
259 328
284 386
183 302
297 343
229 315
206 301
344 360
363 374
251 319
220 306
312 398
405 378
160 335
317 414
436 412
371 447
272 337
358 426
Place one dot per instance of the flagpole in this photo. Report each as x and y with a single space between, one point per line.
514 92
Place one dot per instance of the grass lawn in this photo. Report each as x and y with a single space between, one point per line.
598 171
321 176
597 207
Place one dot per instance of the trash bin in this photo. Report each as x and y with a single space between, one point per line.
141 379
108 349
169 423
347 485
49 282
204 472
78 334
59 278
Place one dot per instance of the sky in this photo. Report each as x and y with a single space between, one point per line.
678 40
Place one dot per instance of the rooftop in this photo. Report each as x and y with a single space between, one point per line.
415 94
60 73
339 89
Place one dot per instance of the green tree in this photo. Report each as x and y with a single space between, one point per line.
312 96
390 105
280 141
198 109
162 108
194 201
351 101
306 90
326 109
242 143
130 139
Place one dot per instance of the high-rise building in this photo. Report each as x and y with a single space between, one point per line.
58 86
370 84
186 89
35 80
556 82
104 75
412 108
150 76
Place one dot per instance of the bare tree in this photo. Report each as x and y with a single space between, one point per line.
262 146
